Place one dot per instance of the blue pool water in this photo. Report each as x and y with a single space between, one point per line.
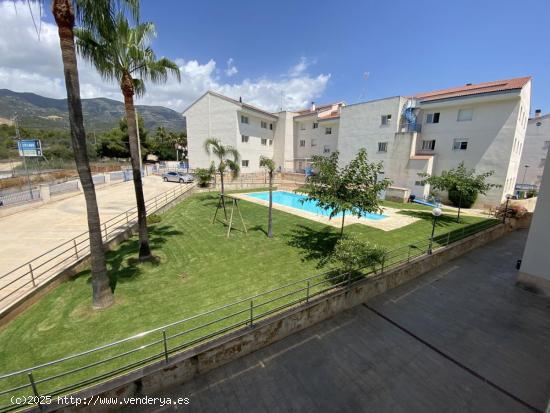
293 200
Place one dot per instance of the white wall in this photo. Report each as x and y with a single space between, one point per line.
535 265
535 149
304 131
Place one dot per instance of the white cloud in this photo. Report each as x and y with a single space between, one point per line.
28 64
231 68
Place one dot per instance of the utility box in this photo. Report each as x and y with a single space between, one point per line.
396 194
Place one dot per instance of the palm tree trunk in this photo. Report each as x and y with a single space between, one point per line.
270 213
221 180
144 249
64 17
342 228
222 195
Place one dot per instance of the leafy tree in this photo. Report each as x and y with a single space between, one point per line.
91 14
351 189
463 185
228 158
123 53
269 166
204 175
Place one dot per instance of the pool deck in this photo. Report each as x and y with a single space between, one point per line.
393 220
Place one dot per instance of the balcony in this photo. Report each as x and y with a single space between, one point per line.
411 127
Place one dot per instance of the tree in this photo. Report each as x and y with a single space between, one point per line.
462 185
351 189
122 53
269 166
92 14
228 157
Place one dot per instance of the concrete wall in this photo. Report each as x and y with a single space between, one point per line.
535 265
203 358
535 151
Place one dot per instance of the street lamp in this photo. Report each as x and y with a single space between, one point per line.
436 212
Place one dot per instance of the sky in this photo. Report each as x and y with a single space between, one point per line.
291 52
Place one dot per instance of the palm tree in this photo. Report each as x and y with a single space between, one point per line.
91 14
123 53
228 157
269 166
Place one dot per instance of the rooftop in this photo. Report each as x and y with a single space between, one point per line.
471 89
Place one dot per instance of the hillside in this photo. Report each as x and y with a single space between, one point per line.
100 114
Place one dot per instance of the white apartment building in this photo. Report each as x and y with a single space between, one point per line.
535 152
481 124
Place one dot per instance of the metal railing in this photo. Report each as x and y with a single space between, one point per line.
26 277
73 372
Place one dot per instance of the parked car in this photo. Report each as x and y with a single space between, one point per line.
181 177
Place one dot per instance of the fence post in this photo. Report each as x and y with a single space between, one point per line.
32 275
251 313
165 345
307 292
75 248
34 389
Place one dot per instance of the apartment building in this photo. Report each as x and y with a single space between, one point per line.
482 125
534 153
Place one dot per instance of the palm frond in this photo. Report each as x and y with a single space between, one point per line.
234 167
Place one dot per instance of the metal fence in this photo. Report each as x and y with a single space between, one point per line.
23 279
107 361
19 197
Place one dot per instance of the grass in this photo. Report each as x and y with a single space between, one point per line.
198 269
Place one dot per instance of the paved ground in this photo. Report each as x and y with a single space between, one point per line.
462 338
29 233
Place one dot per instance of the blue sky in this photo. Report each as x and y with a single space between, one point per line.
321 50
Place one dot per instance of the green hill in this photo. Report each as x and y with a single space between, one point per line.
100 114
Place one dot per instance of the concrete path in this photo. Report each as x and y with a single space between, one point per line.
462 338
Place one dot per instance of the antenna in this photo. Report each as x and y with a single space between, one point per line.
282 99
363 94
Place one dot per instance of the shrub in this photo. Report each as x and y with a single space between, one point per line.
153 219
204 176
468 199
352 255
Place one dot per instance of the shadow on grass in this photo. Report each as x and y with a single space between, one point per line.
317 245
442 221
123 264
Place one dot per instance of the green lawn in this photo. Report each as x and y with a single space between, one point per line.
198 269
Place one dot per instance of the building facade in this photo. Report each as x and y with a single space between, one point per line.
534 153
482 125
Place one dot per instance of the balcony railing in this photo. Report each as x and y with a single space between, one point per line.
411 127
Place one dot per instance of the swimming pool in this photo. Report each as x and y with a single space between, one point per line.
293 200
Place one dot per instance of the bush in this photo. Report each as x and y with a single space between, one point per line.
467 199
352 255
153 219
204 177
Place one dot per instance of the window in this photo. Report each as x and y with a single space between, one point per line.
542 162
328 131
271 142
302 126
418 183
546 145
244 138
263 124
539 123
264 141
382 146
244 119
428 145
315 125
465 115
314 142
326 149
302 143
271 126
385 119
244 163
460 144
432 117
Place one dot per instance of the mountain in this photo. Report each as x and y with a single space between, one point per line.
100 114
